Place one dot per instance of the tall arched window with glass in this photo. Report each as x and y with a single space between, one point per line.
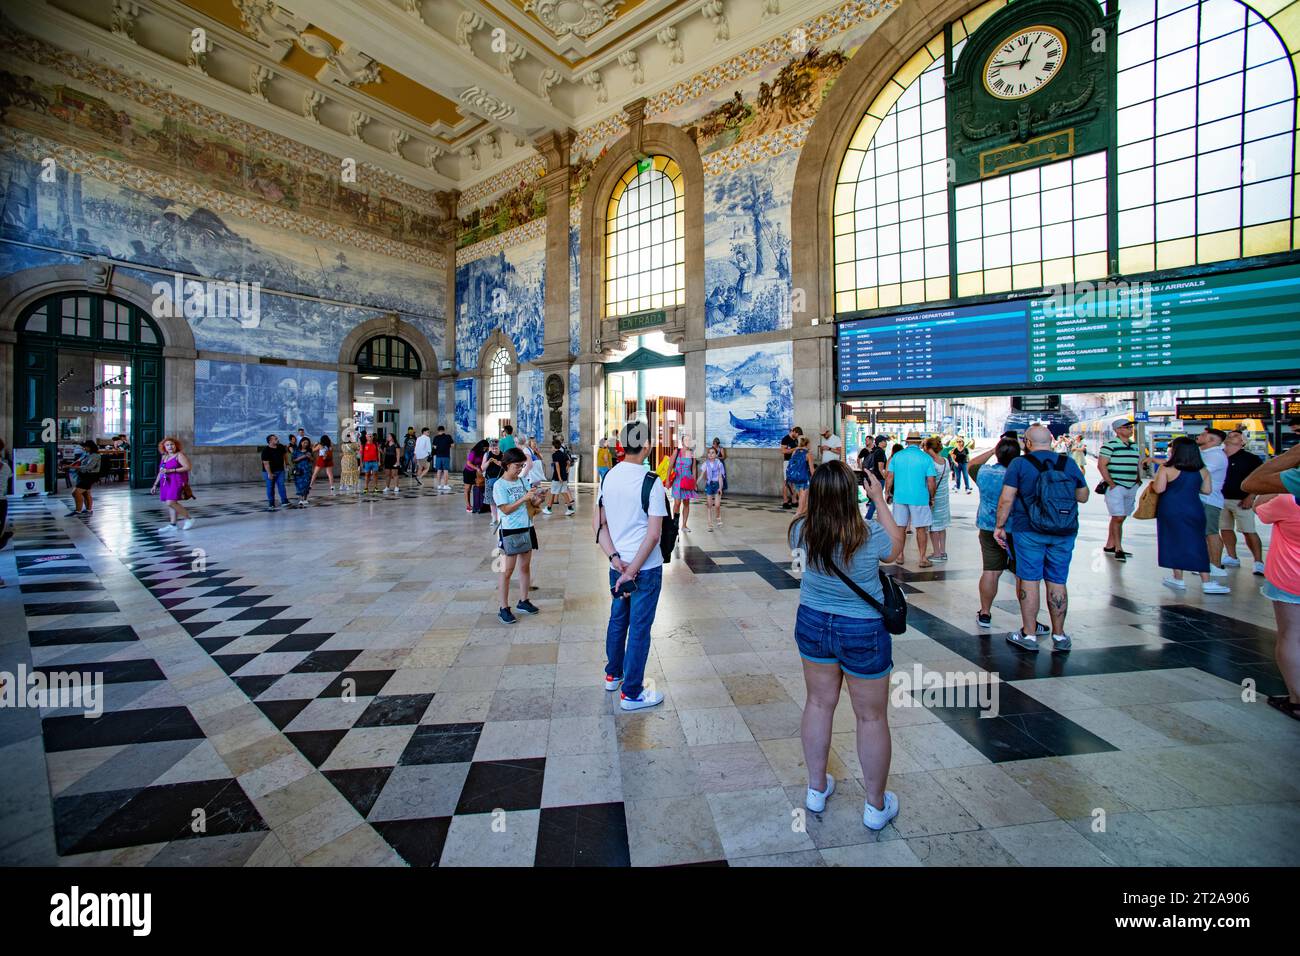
1205 170
499 384
645 244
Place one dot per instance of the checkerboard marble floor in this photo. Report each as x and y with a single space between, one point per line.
331 687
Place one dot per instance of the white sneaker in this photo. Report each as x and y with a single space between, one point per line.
1213 587
1259 567
546 511
1174 583
648 698
189 523
874 819
570 513
613 683
1217 572
1231 562
815 800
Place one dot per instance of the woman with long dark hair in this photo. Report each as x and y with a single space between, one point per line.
1180 517
841 638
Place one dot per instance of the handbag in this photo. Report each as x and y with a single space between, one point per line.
186 492
516 540
1147 503
893 611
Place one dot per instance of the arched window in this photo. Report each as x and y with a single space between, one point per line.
96 320
645 244
1205 170
389 355
499 384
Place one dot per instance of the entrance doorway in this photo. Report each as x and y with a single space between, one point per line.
647 383
383 394
89 368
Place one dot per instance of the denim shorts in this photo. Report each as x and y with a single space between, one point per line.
712 487
798 486
1275 593
859 645
442 463
369 467
1042 557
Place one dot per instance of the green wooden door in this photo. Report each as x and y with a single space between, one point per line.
146 418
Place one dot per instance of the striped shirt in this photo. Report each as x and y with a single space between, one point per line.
1122 459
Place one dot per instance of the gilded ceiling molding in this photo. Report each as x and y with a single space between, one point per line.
82 69
581 18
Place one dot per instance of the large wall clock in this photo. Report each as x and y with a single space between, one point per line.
1034 84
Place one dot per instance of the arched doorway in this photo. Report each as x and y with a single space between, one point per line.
385 391
89 366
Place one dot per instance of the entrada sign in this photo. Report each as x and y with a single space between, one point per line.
642 320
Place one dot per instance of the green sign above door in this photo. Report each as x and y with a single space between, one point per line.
642 320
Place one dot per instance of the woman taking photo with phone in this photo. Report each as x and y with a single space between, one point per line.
517 538
842 638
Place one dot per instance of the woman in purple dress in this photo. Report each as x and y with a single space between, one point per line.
173 477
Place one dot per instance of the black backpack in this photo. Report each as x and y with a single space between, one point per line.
667 533
1051 505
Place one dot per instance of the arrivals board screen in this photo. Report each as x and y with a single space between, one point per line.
1230 325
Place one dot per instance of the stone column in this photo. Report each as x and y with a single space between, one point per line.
555 360
444 384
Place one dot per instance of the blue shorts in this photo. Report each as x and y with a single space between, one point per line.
369 467
1275 593
442 463
859 645
1042 557
712 487
798 486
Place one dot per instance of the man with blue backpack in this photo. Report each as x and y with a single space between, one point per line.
1041 494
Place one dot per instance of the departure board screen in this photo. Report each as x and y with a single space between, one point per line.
1230 325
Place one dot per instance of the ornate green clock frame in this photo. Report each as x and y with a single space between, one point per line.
1070 113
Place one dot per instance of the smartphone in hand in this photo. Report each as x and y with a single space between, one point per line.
624 589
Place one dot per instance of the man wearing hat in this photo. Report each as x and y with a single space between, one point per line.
911 483
1120 463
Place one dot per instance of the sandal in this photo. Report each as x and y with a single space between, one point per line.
926 564
1283 703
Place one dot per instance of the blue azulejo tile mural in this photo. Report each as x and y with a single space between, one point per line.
575 309
530 405
505 290
750 394
302 329
747 248
16 258
83 214
575 387
466 429
240 403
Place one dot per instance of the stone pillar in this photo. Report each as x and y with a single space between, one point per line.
444 385
555 360
814 380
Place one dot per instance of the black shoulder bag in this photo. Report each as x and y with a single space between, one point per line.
894 609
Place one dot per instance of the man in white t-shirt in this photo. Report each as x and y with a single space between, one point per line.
423 454
1216 462
830 446
628 532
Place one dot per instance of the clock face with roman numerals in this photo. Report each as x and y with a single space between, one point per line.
1024 62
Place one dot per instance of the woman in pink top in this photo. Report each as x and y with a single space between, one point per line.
1282 587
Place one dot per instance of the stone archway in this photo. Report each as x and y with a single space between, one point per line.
428 402
21 289
896 41
643 139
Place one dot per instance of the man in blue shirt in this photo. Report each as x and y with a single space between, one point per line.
910 483
1038 556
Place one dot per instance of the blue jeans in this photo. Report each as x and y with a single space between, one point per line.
627 639
273 481
960 474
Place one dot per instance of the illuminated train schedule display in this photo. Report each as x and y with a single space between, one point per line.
1226 326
